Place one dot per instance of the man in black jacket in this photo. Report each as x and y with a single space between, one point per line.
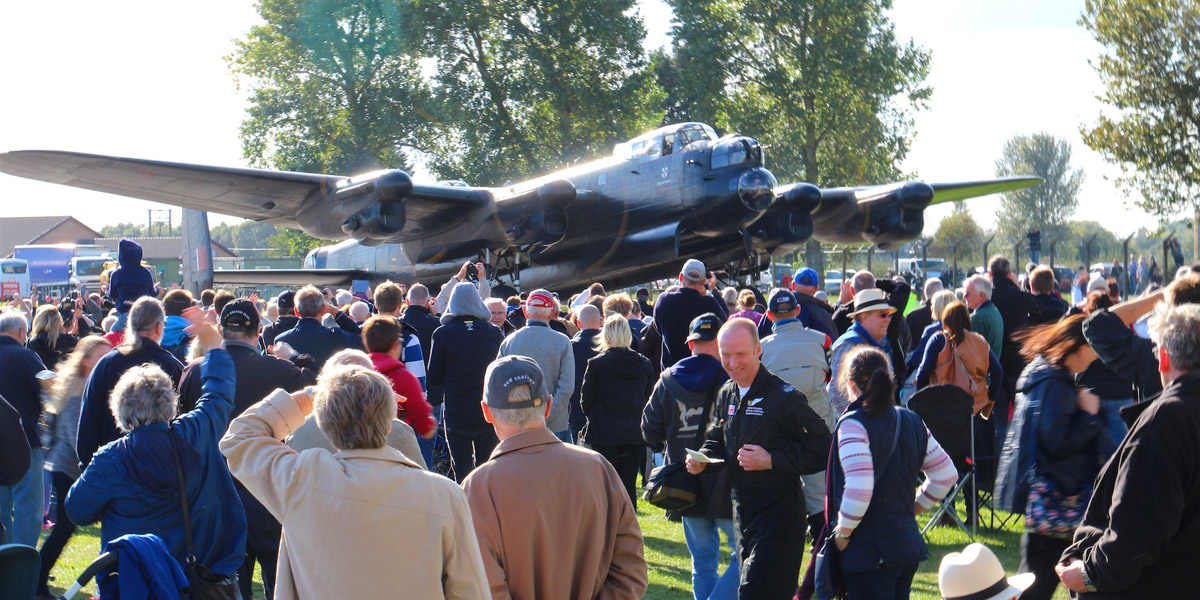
310 337
1017 309
14 450
680 407
677 306
286 321
256 377
583 346
417 315
19 366
1141 530
769 436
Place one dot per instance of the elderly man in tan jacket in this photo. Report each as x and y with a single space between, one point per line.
365 522
553 520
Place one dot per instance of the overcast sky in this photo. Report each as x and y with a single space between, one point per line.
148 79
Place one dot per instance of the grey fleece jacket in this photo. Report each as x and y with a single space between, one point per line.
552 352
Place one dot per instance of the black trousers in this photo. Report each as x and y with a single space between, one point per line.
1039 554
770 530
469 449
262 544
60 535
626 459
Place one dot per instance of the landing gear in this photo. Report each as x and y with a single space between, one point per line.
509 260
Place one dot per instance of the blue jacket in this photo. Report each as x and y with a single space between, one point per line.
96 424
1071 444
131 280
145 570
19 385
132 485
310 337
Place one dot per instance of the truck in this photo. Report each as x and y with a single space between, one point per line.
52 267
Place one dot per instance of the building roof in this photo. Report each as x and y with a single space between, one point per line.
160 247
18 231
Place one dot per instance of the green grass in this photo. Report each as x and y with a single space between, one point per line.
666 555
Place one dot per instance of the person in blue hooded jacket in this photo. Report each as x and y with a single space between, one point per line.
129 281
132 484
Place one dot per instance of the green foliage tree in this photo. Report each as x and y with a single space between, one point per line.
1046 206
527 86
247 234
334 86
958 235
1149 70
123 230
293 242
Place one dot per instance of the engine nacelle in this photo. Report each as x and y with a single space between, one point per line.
370 209
894 216
542 219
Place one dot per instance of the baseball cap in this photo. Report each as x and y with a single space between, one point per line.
508 372
287 300
693 271
782 301
242 314
808 277
540 298
704 328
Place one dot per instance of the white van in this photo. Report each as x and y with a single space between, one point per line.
14 277
933 267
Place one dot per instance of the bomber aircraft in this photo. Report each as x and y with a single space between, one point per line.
674 193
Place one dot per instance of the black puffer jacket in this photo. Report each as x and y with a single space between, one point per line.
615 388
1071 443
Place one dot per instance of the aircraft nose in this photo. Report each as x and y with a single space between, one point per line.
756 189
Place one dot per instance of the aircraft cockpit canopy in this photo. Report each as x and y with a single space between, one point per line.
664 141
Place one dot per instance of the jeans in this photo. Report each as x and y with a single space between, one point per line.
60 535
1035 256
426 446
1110 413
892 583
21 504
1039 554
703 537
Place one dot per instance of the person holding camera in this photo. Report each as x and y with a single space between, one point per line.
471 272
676 307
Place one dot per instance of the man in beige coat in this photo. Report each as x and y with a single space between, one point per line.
553 519
365 522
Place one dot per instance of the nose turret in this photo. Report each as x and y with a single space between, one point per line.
756 189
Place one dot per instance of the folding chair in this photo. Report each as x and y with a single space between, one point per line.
947 412
18 572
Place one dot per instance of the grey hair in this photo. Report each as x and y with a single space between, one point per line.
309 302
348 357
144 315
982 285
354 407
418 294
12 321
520 417
933 285
107 323
144 395
863 280
359 311
939 303
1176 329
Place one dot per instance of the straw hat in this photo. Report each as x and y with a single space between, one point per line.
976 574
869 300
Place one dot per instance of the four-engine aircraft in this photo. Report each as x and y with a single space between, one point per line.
674 193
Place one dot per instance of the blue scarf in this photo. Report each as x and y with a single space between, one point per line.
856 331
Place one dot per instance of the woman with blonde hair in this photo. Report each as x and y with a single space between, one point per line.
957 355
616 384
46 336
61 459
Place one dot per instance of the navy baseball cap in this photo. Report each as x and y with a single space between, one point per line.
808 277
287 301
782 301
704 328
241 314
508 372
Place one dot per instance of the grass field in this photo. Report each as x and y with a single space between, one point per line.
666 554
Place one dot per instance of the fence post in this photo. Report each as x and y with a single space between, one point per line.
845 257
986 243
1088 251
870 254
1125 261
1017 252
1053 243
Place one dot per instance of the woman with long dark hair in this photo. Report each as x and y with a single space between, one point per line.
615 388
881 450
956 351
62 461
1067 439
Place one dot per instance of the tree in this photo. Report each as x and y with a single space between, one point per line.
1149 69
1046 206
293 242
123 230
824 84
334 86
958 235
244 235
527 86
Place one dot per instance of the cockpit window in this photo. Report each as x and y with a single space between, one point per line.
729 152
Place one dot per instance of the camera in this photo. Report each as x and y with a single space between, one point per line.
472 274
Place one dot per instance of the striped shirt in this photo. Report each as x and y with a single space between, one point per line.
854 454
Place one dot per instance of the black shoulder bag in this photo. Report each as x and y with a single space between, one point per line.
671 487
202 582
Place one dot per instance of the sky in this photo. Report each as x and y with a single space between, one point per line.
148 79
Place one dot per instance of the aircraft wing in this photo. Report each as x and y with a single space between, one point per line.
383 206
953 192
293 277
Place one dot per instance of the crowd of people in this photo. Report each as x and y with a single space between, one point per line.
298 434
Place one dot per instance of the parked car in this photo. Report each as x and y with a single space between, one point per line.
833 282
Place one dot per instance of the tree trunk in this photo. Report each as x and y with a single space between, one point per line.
1196 234
814 257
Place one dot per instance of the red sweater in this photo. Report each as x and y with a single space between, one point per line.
416 410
